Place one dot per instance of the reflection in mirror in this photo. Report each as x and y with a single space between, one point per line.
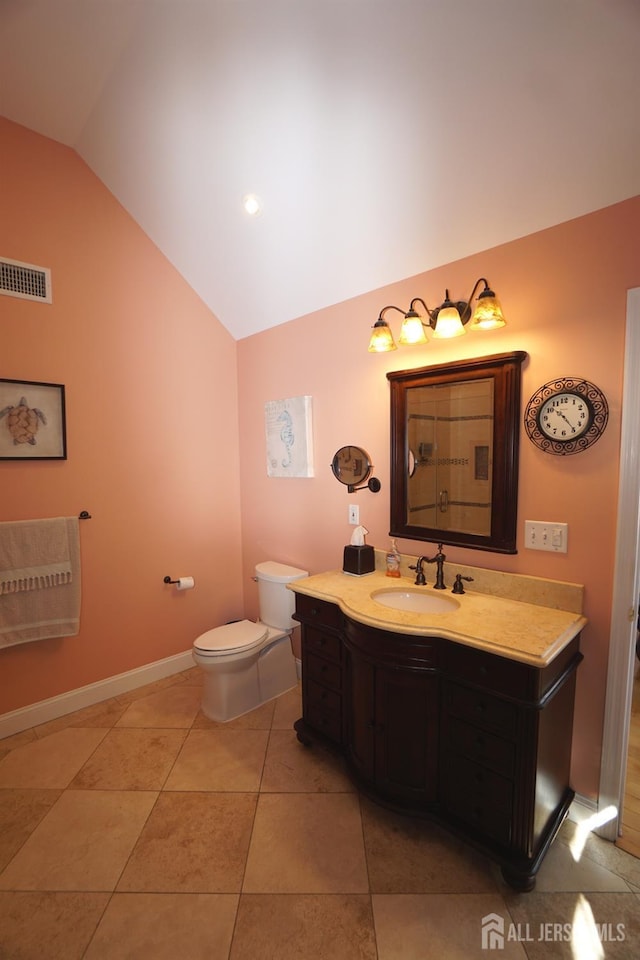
454 452
450 456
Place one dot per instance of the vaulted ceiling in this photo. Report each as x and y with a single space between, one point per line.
383 137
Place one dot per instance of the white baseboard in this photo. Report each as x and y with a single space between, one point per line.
54 707
582 808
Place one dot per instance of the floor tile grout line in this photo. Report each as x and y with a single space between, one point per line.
98 922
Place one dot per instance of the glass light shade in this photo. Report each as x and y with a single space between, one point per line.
412 330
381 338
488 314
448 324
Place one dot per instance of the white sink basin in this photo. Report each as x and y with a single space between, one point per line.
416 601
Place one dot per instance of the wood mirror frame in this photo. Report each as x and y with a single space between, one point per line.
504 372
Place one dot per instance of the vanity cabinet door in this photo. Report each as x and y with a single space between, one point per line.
407 708
391 729
360 714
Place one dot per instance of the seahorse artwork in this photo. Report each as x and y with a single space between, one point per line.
287 435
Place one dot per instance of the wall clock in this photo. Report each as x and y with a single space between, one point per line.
566 416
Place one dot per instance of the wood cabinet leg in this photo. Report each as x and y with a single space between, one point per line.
519 880
301 732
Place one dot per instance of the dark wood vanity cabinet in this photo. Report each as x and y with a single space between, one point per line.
391 716
479 742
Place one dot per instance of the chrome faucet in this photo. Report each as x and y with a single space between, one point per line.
439 560
420 580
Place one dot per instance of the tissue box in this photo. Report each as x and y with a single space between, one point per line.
358 560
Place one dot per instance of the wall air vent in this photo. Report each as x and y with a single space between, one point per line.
24 280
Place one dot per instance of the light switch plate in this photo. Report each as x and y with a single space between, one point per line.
545 535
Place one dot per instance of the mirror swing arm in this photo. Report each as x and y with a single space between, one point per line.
504 372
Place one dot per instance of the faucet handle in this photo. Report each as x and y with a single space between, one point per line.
458 586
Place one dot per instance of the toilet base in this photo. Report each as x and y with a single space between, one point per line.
236 687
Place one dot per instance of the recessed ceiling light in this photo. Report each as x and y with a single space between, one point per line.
252 204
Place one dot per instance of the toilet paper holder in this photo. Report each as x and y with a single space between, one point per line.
182 583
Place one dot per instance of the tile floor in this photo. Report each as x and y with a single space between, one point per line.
138 828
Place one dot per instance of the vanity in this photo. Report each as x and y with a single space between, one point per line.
463 716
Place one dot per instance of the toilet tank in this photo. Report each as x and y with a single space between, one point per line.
276 602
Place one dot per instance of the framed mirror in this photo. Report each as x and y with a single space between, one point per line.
455 431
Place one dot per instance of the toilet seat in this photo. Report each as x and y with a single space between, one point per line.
231 638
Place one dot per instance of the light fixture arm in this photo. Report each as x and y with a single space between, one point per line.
390 307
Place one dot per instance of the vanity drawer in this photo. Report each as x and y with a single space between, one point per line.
323 698
481 798
393 649
323 644
320 612
324 720
322 671
497 674
489 750
481 709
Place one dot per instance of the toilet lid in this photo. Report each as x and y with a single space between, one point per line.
241 635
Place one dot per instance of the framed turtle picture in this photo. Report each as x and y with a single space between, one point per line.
32 420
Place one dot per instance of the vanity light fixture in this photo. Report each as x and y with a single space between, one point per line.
448 320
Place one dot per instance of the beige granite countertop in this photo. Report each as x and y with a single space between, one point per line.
528 632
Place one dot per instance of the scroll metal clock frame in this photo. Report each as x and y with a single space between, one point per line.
566 416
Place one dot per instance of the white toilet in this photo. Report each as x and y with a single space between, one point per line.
247 663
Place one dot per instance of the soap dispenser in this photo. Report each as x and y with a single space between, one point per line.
393 560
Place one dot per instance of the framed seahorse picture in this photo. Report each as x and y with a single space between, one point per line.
289 433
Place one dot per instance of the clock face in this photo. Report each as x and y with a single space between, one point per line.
566 416
351 465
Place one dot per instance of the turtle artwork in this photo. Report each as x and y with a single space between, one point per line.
23 421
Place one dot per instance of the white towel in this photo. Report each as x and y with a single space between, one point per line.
39 580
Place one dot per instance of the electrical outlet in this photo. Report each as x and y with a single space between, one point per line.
354 514
544 535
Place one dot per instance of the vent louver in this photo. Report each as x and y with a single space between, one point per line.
25 280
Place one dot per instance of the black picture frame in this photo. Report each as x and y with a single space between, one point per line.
32 420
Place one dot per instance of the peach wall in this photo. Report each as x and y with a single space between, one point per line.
151 387
564 293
